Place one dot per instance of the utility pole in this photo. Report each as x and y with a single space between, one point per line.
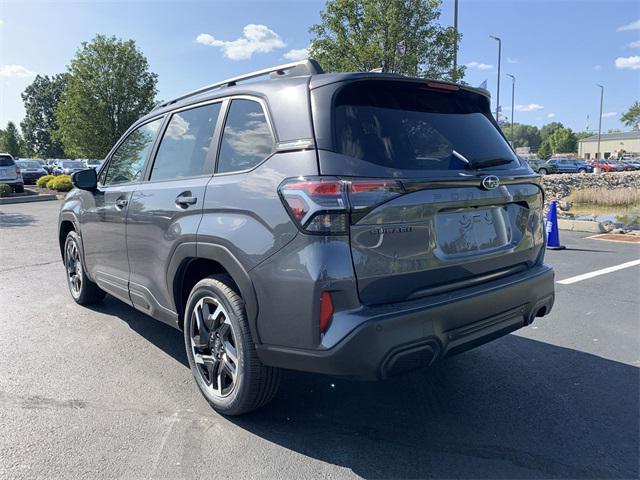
499 40
513 96
455 45
600 121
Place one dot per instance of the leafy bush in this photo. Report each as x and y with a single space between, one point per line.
5 190
42 181
61 183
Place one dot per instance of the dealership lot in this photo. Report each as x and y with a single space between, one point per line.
105 392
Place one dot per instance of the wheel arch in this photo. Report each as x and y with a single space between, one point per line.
68 222
189 265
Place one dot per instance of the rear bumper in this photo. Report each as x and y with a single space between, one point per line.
389 339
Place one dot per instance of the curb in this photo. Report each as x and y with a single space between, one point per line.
589 226
28 199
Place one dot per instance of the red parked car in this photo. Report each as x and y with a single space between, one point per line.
606 166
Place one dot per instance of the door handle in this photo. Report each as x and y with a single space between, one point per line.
121 203
185 201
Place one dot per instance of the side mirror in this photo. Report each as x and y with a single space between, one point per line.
85 179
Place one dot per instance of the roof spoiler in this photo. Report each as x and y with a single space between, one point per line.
302 67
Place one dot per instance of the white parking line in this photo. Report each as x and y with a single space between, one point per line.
585 276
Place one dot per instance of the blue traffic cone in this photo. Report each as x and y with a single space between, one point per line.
553 235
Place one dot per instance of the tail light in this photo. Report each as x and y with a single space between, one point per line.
17 170
327 205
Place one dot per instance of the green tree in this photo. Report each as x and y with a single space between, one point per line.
631 118
523 135
10 140
399 36
548 129
563 140
545 152
40 102
109 86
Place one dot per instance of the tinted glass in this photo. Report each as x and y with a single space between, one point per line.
128 160
6 161
247 139
23 164
186 143
407 126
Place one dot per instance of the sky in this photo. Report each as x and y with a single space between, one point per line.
557 50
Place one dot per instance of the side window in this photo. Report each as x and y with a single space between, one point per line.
184 148
247 139
127 161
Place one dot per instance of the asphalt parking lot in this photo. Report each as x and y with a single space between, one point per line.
106 392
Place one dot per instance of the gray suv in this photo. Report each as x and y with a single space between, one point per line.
352 224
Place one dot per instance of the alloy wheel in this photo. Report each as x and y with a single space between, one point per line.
213 346
74 268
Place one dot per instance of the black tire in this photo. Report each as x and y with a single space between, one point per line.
19 189
253 385
542 171
82 290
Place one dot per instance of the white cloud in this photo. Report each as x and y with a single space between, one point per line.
630 26
530 107
635 44
16 71
254 39
551 115
512 60
632 63
479 66
297 54
609 114
597 68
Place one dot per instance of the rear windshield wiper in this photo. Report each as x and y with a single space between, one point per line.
492 162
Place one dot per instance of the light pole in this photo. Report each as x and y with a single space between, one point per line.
455 45
600 121
513 96
499 40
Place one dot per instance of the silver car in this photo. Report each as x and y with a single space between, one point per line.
10 173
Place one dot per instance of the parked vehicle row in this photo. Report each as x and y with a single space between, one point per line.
560 165
570 165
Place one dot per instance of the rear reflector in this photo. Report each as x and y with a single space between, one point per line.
326 311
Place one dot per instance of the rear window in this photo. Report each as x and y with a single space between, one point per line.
23 164
6 161
409 126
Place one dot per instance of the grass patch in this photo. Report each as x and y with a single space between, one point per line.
623 197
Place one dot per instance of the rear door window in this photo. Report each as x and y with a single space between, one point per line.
247 139
408 126
185 149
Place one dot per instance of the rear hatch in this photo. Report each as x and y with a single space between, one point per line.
438 200
8 168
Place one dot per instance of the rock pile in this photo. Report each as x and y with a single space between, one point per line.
560 186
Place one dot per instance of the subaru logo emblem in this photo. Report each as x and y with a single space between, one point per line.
490 182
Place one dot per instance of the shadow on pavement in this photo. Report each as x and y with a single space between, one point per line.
12 220
515 408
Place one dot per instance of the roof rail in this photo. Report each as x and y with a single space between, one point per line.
302 67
